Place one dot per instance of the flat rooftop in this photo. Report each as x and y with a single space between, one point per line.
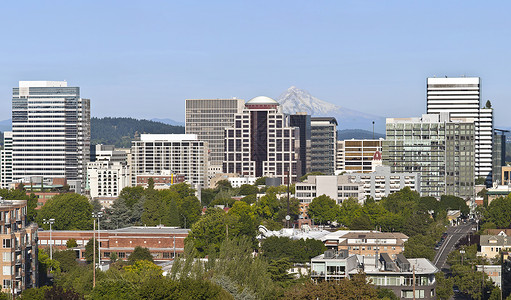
167 137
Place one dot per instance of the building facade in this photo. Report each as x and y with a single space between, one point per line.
262 142
50 131
178 153
492 245
19 247
6 161
108 172
303 122
382 182
461 97
323 154
439 149
164 243
408 278
338 188
356 155
208 118
499 154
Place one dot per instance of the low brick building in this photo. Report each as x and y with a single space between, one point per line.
163 242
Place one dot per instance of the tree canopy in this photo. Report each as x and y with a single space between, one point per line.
71 212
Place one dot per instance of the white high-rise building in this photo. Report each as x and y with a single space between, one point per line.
180 154
461 97
50 131
6 161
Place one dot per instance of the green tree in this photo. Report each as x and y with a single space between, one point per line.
323 209
190 210
247 189
444 286
223 185
499 212
480 181
355 288
89 250
260 181
70 211
140 253
488 104
71 243
278 270
131 195
244 219
67 259
210 231
419 246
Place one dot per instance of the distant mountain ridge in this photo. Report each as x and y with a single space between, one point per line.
295 100
358 134
169 122
121 131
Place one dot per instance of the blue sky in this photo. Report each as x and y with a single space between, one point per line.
143 58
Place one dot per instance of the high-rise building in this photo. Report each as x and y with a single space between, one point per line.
499 154
323 145
208 118
303 122
108 173
461 97
357 155
262 143
441 150
6 161
50 131
19 248
178 153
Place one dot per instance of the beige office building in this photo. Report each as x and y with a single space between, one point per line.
356 156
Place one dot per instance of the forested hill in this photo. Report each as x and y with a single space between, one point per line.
121 131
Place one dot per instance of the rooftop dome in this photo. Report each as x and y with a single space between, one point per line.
262 100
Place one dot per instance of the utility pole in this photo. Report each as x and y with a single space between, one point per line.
413 279
50 221
94 253
373 130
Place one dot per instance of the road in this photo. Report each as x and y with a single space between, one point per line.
453 235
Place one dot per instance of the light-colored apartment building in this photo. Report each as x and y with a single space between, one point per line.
50 131
182 154
461 97
382 182
19 247
338 188
262 143
440 149
108 174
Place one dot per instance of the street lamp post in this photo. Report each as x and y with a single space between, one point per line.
99 215
94 216
462 252
50 221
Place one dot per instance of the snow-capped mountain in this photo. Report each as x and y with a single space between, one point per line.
297 100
